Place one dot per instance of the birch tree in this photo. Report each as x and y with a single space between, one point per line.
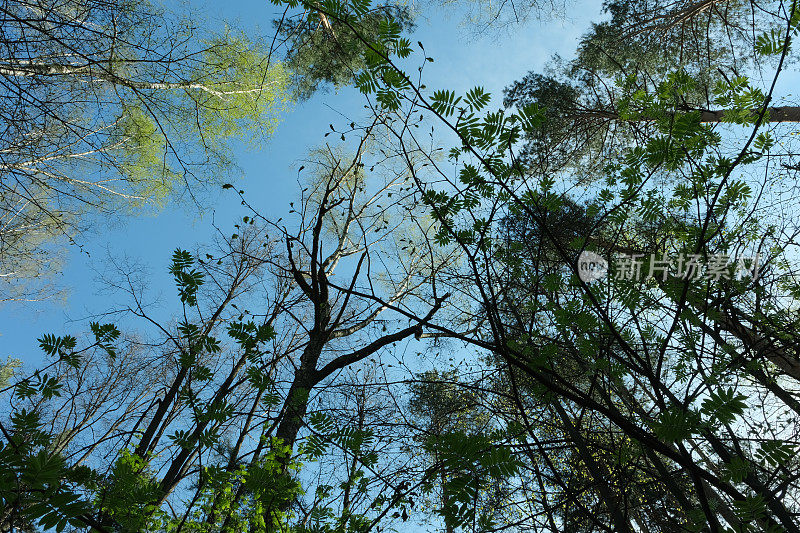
115 107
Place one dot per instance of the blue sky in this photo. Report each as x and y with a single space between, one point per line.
462 60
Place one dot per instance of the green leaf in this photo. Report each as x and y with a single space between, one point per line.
188 281
771 43
724 405
477 98
676 425
52 345
775 452
444 102
737 469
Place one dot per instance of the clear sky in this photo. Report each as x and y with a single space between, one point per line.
462 60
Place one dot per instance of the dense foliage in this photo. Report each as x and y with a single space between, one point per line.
610 255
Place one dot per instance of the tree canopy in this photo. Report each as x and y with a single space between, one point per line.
115 106
607 259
